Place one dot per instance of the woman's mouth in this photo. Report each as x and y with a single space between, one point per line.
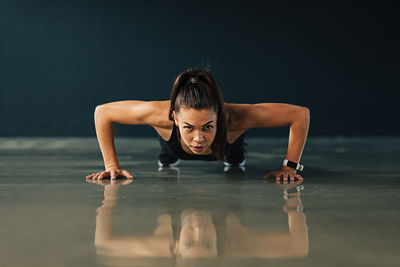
198 148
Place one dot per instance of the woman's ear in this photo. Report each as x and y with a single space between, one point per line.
175 117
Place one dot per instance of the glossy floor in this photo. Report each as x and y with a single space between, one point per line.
346 213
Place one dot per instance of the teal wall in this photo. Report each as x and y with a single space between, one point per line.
59 59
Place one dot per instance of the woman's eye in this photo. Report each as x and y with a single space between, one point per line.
208 127
188 127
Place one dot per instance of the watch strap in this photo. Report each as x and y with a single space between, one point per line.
294 165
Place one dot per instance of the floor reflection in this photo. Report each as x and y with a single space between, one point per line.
200 236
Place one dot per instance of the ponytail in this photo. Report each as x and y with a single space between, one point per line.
197 89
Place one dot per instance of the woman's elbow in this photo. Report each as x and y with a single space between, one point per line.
100 112
303 115
97 110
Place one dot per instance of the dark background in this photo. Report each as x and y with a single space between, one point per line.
59 59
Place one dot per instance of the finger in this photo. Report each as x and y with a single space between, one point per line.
90 176
298 176
113 175
102 175
291 176
285 177
98 175
127 174
95 176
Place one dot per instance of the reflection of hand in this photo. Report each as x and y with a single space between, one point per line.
112 173
285 174
289 186
109 182
294 204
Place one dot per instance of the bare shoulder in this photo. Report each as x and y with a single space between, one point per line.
157 113
235 116
154 114
160 118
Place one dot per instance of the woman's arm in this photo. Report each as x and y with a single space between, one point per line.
125 112
247 116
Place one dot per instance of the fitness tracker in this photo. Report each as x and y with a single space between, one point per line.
294 165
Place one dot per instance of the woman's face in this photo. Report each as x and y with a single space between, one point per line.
198 236
197 129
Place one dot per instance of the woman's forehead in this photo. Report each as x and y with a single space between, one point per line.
197 115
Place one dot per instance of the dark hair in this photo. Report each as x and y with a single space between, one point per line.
197 89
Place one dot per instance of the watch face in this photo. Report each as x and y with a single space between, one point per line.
291 164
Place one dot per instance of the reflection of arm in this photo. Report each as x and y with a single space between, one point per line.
157 245
247 242
104 218
297 227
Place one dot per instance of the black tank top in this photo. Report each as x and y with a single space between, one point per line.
174 148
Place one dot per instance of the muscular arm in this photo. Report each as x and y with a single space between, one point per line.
278 115
247 116
153 113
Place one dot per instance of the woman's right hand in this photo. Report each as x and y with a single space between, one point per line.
112 173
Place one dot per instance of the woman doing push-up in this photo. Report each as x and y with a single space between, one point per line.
196 124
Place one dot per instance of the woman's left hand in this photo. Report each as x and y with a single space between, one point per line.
285 174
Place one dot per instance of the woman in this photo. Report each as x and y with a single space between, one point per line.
196 124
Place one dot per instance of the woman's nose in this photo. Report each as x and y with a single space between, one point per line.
199 137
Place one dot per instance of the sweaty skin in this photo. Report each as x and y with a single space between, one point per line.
197 129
